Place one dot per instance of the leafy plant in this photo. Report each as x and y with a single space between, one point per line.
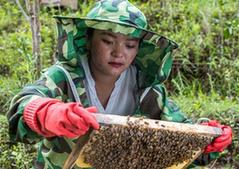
12 155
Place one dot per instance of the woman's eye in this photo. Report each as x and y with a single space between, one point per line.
107 41
130 46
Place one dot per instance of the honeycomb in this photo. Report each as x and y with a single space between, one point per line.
135 146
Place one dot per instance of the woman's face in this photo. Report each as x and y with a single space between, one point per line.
111 53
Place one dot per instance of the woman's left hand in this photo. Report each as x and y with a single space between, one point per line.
223 141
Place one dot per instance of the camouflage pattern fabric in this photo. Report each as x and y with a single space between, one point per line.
153 62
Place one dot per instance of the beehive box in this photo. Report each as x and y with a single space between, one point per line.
136 143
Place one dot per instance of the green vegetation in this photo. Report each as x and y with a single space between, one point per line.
14 155
204 80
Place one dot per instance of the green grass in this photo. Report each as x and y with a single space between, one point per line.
208 105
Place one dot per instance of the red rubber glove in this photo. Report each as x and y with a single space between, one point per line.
223 141
51 117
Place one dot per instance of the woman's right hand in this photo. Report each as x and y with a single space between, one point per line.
51 117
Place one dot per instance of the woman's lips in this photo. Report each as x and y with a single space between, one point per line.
115 64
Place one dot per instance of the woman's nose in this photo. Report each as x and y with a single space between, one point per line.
118 50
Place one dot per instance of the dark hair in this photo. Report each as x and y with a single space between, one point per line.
89 33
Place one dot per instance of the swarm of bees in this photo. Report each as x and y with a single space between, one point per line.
138 147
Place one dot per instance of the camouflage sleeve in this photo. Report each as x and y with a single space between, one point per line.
51 84
156 105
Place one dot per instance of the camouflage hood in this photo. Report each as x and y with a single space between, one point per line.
154 59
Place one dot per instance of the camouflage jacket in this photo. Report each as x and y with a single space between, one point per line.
153 62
